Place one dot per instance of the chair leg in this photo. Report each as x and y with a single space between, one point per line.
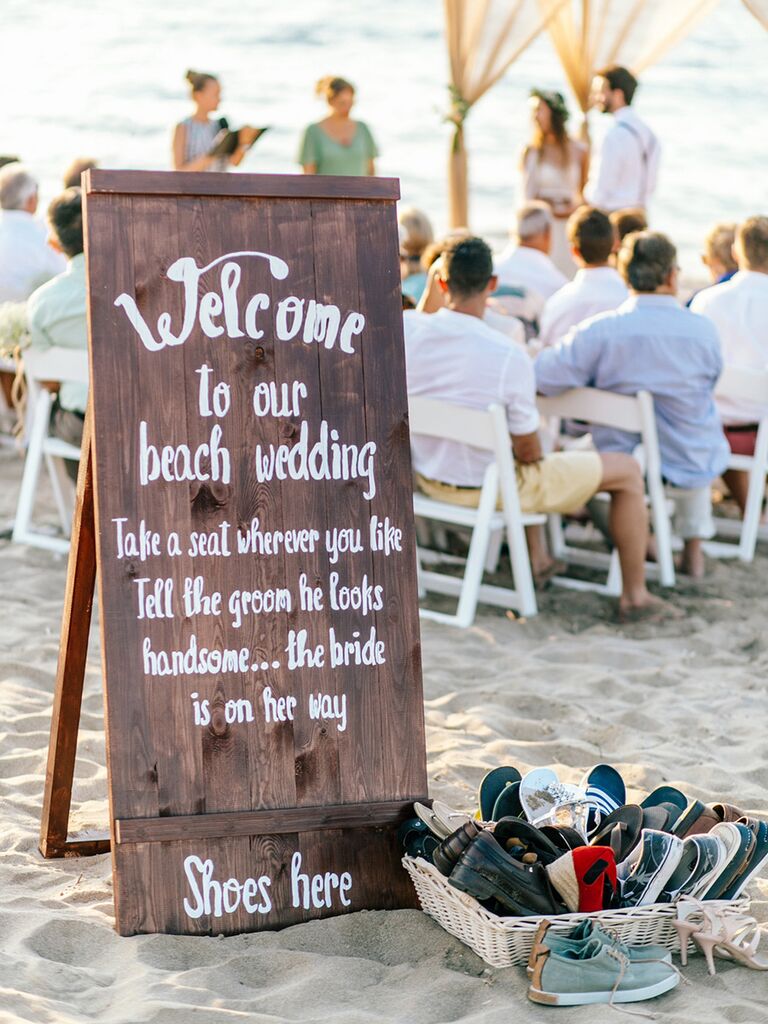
62 488
663 533
31 475
755 495
494 551
556 536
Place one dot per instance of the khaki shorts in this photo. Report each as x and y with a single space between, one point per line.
561 482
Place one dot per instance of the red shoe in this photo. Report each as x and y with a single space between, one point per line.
586 878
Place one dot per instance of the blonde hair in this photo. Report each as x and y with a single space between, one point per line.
752 243
330 87
199 79
417 231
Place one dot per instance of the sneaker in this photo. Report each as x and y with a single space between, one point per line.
596 973
649 867
589 931
756 862
739 842
486 872
701 861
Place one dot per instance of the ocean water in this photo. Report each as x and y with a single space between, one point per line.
104 78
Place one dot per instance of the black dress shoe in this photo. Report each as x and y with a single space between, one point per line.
448 852
486 872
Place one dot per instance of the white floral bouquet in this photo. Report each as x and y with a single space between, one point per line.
14 329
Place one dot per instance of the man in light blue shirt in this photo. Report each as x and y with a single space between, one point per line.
651 343
56 314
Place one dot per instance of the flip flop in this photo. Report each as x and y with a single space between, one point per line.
547 801
440 819
417 839
564 838
688 819
657 818
492 784
621 830
606 792
665 795
520 839
508 803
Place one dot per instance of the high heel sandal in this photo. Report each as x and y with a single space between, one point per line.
729 936
690 920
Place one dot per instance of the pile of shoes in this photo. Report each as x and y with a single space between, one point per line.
538 846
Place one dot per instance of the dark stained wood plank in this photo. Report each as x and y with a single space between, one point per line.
286 186
253 823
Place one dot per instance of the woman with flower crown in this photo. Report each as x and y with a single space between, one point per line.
554 169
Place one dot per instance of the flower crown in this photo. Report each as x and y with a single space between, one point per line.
554 100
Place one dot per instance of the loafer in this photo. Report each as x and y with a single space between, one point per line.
486 872
522 840
445 855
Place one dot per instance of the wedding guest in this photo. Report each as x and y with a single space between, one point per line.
415 235
434 297
525 263
26 259
454 356
718 255
651 343
553 168
195 136
76 169
597 285
337 144
56 314
624 171
738 307
626 221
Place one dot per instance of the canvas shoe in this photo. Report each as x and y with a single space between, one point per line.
647 870
739 842
596 973
756 862
701 861
589 931
606 792
486 872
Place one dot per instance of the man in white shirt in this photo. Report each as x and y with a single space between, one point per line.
26 259
739 309
454 356
525 265
624 171
597 286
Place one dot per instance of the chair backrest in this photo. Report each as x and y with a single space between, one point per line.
743 384
633 413
57 364
431 417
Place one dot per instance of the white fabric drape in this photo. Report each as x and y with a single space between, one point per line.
484 37
590 34
760 10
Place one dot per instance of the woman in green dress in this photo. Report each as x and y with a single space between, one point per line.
337 144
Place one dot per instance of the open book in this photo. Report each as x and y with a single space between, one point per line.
225 142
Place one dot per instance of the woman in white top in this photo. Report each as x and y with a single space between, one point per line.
553 169
193 138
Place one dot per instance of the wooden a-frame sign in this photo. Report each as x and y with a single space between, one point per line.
244 503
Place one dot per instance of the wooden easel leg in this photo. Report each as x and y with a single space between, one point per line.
73 651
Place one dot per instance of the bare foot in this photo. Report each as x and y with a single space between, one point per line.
544 571
649 609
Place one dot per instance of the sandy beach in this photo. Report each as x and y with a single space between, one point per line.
682 704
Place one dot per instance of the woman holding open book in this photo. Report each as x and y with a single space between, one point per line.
199 139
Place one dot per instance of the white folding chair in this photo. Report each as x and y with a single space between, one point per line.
748 386
7 417
56 365
487 431
634 414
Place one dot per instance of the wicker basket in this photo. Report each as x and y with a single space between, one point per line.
507 941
